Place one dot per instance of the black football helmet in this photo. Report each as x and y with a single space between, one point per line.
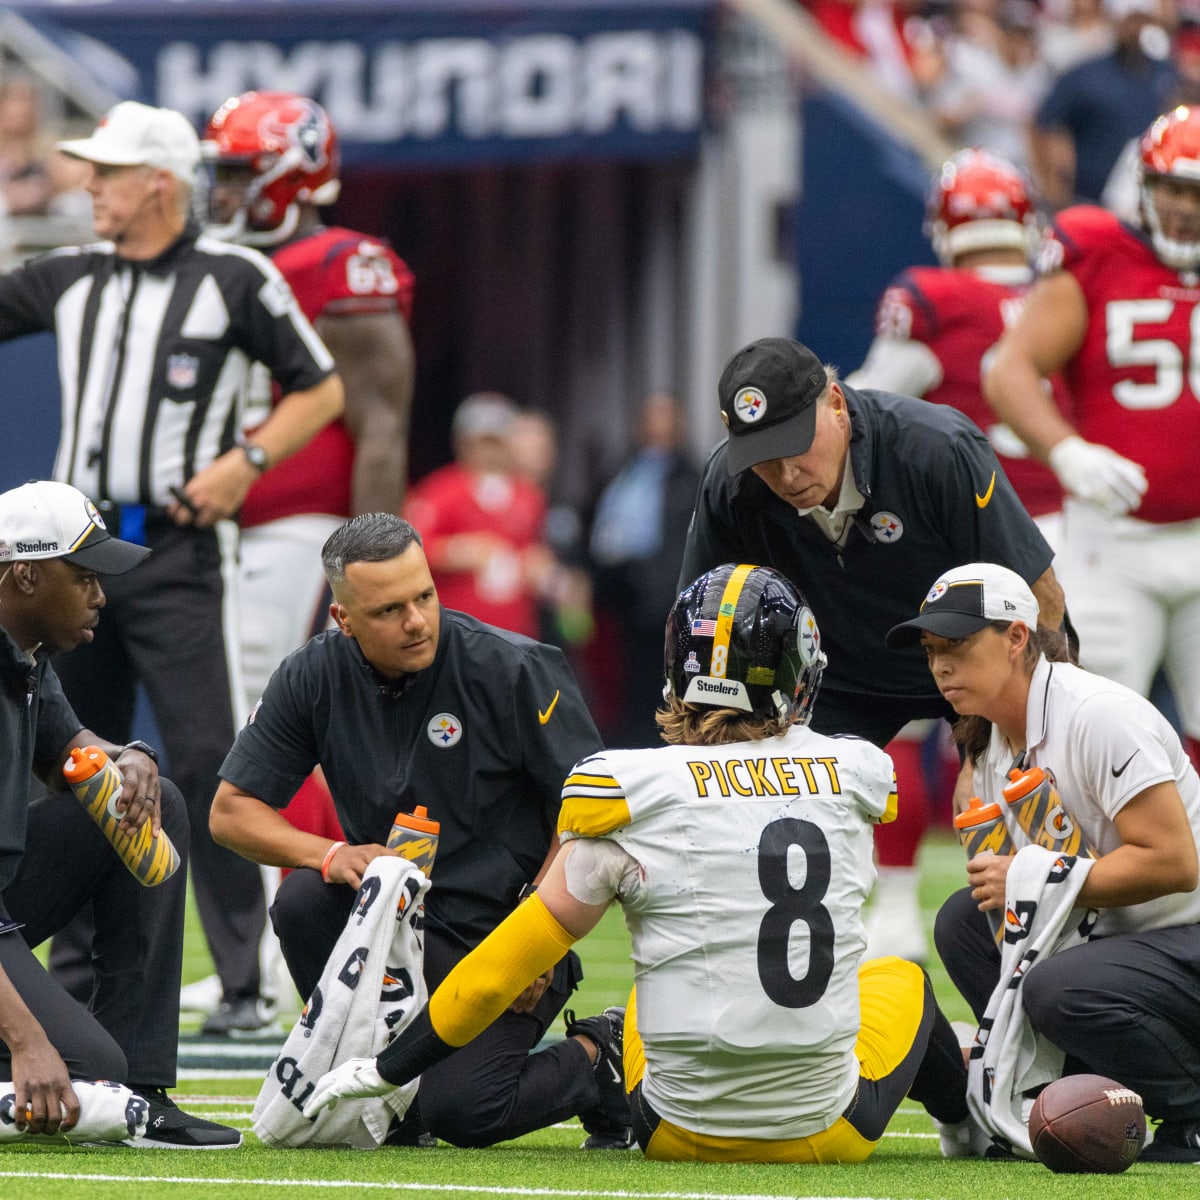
743 637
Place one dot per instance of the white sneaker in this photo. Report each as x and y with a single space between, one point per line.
202 996
966 1139
894 922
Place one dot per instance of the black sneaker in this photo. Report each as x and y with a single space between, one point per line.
170 1128
243 1017
410 1131
608 1124
1174 1142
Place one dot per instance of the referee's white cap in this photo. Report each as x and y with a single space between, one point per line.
134 135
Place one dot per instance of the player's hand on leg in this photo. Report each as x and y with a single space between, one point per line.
354 1079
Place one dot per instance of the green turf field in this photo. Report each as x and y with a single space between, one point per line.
548 1164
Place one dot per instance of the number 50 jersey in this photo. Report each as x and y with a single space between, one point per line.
755 860
1135 379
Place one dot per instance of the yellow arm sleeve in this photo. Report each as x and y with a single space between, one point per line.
525 944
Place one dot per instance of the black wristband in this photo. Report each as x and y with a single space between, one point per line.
145 747
415 1049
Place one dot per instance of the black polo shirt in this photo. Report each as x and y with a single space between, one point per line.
483 738
936 497
36 724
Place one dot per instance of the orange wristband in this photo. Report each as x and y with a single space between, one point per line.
329 859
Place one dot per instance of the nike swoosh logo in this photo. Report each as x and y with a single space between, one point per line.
982 501
1118 773
545 716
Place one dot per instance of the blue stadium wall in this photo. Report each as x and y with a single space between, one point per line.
858 223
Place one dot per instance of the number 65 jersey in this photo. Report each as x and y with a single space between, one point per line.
1135 379
754 860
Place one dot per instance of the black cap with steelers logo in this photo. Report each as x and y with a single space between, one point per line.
768 393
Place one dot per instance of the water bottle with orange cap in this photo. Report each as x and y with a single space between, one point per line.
981 829
414 836
1034 801
97 782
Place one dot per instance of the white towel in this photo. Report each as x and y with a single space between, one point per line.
1009 1058
108 1112
371 988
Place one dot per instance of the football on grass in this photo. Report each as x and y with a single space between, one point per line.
1086 1123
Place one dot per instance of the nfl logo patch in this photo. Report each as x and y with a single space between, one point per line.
182 370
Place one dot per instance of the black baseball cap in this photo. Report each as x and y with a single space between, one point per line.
768 393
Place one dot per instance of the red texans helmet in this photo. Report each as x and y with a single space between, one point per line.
743 637
1170 149
981 202
287 148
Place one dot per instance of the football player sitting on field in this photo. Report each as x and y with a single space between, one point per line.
741 853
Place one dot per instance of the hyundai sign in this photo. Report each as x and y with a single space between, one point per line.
421 84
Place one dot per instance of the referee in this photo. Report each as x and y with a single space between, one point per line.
157 328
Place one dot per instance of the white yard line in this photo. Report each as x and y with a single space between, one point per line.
411 1187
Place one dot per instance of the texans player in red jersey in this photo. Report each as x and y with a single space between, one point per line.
935 331
1117 310
275 161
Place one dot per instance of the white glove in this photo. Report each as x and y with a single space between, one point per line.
1098 475
354 1079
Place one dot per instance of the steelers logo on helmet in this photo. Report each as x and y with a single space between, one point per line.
808 637
750 405
735 640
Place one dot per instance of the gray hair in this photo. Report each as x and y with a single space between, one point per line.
832 376
369 537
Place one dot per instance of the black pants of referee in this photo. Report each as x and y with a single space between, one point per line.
1127 1006
164 627
492 1089
129 1030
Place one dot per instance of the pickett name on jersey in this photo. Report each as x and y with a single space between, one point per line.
781 776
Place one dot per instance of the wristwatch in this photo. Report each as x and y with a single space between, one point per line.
145 747
255 455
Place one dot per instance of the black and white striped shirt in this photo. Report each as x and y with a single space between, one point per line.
153 356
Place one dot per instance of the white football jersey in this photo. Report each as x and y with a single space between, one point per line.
746 918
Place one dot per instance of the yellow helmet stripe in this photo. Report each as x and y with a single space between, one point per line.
725 611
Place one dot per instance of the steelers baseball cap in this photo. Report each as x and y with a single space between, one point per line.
964 600
136 135
43 519
768 393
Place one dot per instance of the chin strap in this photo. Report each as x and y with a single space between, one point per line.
240 233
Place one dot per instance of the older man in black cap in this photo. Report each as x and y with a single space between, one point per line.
860 498
54 548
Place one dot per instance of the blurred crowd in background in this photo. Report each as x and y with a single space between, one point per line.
1060 88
